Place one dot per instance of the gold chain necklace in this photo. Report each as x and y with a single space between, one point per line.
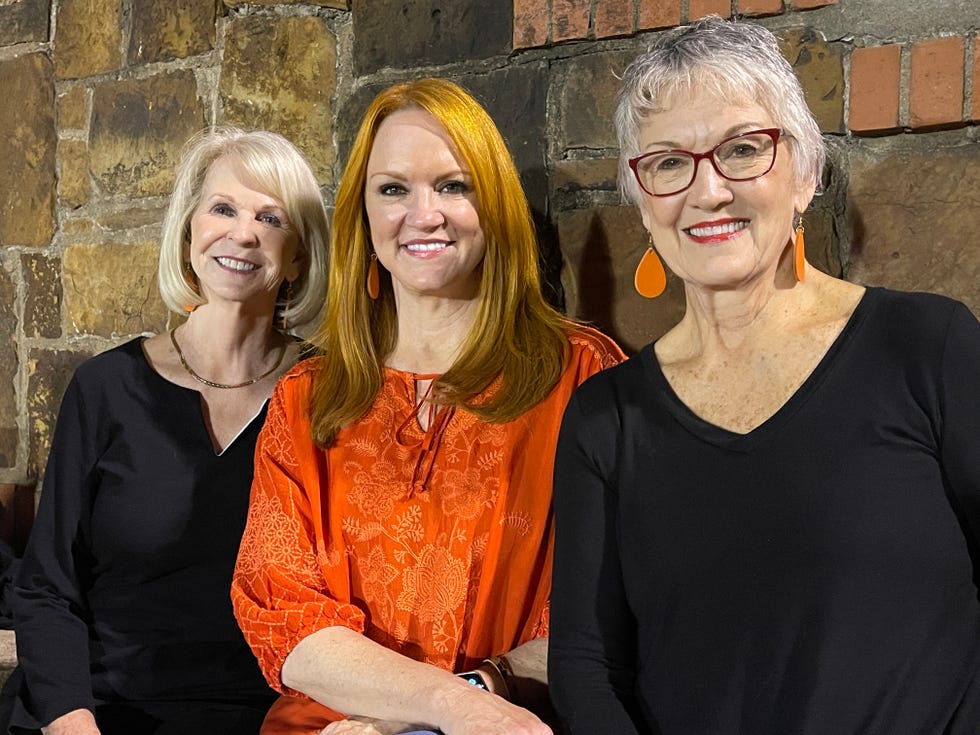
188 368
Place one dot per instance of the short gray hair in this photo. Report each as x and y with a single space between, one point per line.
736 60
275 166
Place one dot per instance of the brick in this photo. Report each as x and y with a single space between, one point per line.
820 68
292 96
49 372
613 18
72 109
810 4
658 14
42 282
339 4
569 20
25 21
936 82
975 107
111 289
587 99
9 433
27 152
874 88
760 7
911 211
73 183
407 34
700 8
138 128
87 38
171 29
530 23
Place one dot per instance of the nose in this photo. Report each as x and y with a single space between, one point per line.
243 229
425 211
709 187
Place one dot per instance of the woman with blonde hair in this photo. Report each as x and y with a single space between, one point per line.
121 604
398 547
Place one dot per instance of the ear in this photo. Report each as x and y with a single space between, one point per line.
804 195
292 269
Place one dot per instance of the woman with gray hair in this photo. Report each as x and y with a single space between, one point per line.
121 606
768 521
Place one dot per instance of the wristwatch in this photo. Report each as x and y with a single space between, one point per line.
475 678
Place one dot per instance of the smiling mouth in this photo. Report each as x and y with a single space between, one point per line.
715 230
237 265
425 247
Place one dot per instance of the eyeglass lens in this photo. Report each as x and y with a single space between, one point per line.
743 157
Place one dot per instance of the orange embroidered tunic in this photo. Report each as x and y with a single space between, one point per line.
435 544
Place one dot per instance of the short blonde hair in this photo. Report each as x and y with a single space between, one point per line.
275 167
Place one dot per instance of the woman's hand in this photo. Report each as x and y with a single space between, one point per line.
368 726
76 722
472 711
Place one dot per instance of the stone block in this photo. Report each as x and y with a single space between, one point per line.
73 183
658 14
9 364
111 289
936 83
281 74
593 173
810 4
570 19
405 34
601 249
72 113
171 29
42 284
875 85
138 128
87 38
613 18
912 211
531 21
339 4
27 152
24 21
820 68
49 372
132 218
587 99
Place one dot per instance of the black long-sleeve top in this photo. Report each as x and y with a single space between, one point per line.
816 576
123 593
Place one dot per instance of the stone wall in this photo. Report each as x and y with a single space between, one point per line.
100 95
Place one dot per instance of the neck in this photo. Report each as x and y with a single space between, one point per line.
430 334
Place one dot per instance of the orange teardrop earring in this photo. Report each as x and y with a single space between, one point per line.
650 279
373 281
799 252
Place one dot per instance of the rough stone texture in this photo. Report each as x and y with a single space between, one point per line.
936 82
27 152
875 86
568 177
171 29
340 4
602 247
132 218
8 371
87 37
42 310
49 372
820 68
587 99
410 33
73 183
913 210
569 19
24 21
112 289
71 108
281 75
138 128
700 8
531 21
807 4
613 18
658 14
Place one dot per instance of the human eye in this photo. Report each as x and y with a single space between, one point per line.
391 189
454 187
270 218
222 209
668 163
746 146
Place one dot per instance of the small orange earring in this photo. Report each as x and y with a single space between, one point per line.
373 282
799 252
650 279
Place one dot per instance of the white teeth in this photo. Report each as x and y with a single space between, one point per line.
238 265
425 247
718 229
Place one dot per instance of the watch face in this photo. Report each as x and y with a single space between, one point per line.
475 678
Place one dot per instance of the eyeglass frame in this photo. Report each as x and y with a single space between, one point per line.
774 133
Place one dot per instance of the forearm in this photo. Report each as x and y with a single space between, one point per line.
76 722
527 683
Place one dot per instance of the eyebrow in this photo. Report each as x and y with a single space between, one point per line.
732 131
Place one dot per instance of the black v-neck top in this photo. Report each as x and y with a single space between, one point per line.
815 576
123 593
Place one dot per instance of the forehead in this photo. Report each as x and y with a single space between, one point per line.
230 172
404 132
700 118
